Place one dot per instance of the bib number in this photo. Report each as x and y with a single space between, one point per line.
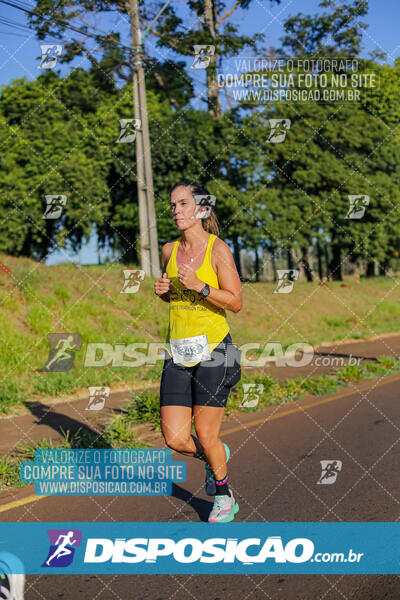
190 349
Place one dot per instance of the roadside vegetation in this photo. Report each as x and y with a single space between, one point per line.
37 300
121 431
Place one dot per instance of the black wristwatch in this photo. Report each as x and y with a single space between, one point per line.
205 291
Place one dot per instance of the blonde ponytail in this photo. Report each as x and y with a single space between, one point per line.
211 223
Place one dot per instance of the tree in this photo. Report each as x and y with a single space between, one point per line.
61 138
50 151
330 152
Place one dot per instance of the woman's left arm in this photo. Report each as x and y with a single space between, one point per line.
229 296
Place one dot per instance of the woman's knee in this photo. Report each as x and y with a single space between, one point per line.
176 442
207 439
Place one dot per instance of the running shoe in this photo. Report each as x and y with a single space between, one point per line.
11 586
224 509
209 484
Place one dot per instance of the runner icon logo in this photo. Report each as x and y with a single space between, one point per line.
129 127
286 279
62 547
279 129
203 53
330 470
133 277
251 393
54 206
50 54
62 348
98 395
358 204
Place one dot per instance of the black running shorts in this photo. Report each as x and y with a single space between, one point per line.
206 384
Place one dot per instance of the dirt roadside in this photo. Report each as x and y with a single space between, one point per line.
46 417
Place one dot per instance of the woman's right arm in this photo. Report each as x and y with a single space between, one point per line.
163 281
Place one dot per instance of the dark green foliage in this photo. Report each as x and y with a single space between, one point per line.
60 134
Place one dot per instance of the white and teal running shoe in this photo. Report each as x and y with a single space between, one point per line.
209 484
12 577
224 509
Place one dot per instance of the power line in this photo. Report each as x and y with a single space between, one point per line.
62 21
76 29
11 23
15 34
23 4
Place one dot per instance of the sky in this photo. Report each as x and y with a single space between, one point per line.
20 50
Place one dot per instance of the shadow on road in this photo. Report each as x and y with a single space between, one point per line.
47 416
345 355
202 507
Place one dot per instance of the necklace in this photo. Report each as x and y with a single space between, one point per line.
192 258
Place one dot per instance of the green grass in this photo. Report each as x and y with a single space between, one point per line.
336 322
145 408
118 434
350 373
36 300
62 292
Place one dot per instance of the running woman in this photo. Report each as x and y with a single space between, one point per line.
199 280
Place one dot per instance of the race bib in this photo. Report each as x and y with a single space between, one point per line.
190 349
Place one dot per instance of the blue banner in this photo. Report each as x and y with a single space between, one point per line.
65 472
203 548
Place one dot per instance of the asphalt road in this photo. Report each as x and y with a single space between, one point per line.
274 469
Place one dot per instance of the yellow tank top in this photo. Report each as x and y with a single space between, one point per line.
189 312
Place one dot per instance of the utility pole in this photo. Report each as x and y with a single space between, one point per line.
149 258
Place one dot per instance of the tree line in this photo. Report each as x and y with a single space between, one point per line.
59 136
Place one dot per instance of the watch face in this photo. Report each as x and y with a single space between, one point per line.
206 290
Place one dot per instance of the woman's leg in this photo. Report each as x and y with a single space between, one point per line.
207 423
176 425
